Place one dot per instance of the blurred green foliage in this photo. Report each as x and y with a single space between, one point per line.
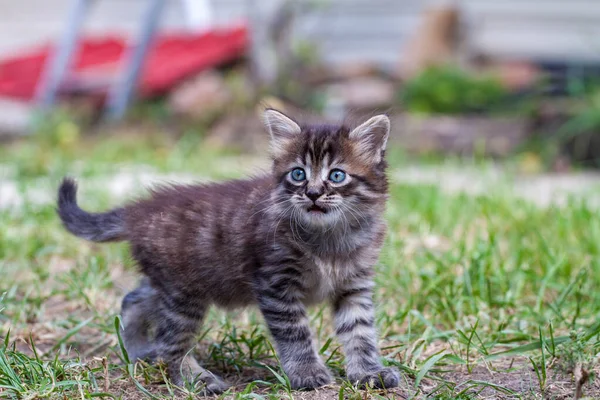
585 116
450 90
579 135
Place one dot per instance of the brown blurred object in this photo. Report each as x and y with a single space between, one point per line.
435 41
205 94
334 73
514 75
561 164
518 75
495 137
365 93
244 132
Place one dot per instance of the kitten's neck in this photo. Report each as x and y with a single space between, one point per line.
340 239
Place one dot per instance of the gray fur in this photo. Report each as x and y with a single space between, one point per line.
96 227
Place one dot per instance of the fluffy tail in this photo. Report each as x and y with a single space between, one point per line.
97 227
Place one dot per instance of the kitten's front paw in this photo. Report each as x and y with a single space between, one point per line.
309 376
190 375
206 384
385 378
214 385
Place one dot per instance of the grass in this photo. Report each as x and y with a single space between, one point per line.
478 296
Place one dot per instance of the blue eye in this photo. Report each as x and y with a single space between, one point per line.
337 175
298 174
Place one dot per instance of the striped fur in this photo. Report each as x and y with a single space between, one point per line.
260 241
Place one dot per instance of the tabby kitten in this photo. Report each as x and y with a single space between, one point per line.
309 231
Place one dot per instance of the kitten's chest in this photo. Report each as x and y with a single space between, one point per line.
325 277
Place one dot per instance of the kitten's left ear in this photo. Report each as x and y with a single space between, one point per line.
282 129
371 138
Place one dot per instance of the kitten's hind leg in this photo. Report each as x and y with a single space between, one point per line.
176 329
136 312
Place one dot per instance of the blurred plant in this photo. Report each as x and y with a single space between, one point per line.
586 117
579 136
152 110
295 56
290 83
450 90
58 129
243 93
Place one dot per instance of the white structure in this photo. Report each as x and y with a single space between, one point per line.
555 30
345 30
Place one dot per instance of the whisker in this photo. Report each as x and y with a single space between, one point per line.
279 217
268 207
351 212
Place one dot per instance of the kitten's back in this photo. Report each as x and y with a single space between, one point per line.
200 235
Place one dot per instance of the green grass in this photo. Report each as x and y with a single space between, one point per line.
478 296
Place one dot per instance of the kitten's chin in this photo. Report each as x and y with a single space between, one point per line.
319 217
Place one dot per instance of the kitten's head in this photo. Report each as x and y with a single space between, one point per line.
328 174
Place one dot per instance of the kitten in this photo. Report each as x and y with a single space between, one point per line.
309 231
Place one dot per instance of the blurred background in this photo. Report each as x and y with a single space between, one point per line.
513 80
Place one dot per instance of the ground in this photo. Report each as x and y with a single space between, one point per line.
486 287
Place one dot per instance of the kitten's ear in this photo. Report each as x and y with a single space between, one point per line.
282 129
371 138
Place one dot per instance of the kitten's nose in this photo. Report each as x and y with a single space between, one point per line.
313 194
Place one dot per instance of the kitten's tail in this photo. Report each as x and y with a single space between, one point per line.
97 227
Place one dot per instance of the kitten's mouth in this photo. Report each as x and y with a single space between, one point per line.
316 209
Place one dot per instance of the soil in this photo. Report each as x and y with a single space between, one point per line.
510 375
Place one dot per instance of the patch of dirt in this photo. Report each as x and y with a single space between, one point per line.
518 376
128 391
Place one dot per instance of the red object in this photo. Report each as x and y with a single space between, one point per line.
172 58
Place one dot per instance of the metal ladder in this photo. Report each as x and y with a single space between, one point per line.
121 91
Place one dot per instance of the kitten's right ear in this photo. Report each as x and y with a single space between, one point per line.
282 129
